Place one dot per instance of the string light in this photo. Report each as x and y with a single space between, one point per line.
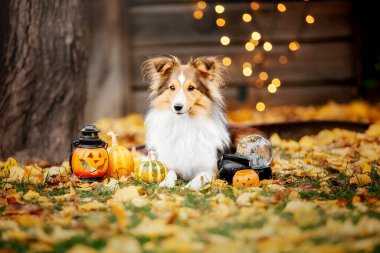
247 71
198 14
283 59
246 17
256 36
259 83
281 7
225 40
267 46
294 46
255 6
219 9
220 22
202 5
276 82
260 106
257 58
272 88
249 46
263 76
226 61
309 19
247 65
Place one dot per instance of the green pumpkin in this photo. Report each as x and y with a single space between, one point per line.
151 170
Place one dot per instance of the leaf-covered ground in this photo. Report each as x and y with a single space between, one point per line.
324 197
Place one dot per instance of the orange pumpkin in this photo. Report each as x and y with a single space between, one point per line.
120 159
245 178
89 163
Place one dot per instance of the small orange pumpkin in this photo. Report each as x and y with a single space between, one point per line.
120 159
245 178
89 162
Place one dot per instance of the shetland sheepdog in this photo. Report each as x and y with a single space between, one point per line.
186 123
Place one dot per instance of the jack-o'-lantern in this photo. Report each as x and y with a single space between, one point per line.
245 178
89 157
120 159
151 170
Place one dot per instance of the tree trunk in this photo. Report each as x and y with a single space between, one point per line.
43 68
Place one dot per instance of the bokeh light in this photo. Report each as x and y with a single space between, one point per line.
198 14
294 46
309 19
260 106
246 17
220 22
226 61
281 7
249 46
219 9
256 36
272 88
202 5
225 40
267 46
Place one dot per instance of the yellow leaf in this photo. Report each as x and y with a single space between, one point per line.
16 174
122 244
33 174
360 179
373 130
275 140
306 142
118 210
154 228
91 206
82 249
366 168
127 193
31 195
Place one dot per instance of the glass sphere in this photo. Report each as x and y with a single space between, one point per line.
257 149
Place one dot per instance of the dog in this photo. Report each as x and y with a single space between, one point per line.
186 123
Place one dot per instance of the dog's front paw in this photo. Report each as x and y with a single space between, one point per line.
199 181
167 183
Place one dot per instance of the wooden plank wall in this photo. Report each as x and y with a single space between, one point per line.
323 69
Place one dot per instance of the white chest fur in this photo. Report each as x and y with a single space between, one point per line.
188 145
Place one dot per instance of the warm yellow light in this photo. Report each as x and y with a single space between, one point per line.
257 58
219 9
272 88
267 46
259 83
309 19
255 6
202 5
220 22
276 82
198 14
247 71
227 61
247 65
283 59
256 36
249 46
246 17
294 46
263 76
260 106
225 40
281 7
254 42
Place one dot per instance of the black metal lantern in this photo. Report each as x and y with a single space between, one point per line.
89 157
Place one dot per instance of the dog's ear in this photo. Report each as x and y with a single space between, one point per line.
159 67
209 68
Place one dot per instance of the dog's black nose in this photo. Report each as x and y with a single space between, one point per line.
178 107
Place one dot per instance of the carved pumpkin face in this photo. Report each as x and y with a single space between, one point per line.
89 163
245 178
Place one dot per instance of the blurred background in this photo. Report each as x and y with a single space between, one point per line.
67 63
277 53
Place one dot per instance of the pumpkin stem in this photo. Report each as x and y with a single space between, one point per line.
151 155
113 136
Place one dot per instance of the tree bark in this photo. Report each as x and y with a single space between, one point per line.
43 70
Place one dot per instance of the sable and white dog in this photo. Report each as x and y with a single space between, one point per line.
186 124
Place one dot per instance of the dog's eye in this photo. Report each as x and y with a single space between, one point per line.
172 88
191 88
